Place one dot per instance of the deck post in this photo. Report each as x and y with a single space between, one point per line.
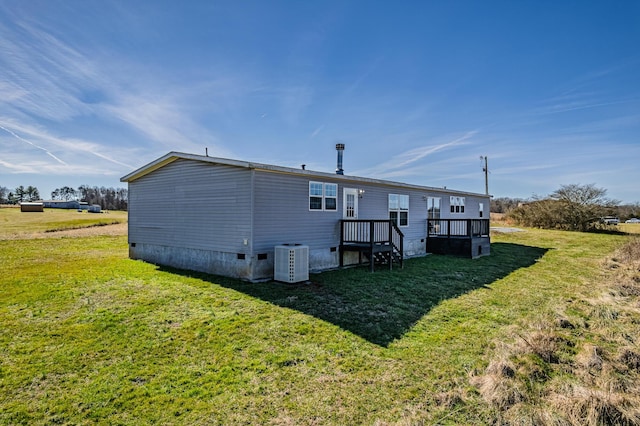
370 241
402 252
341 254
390 237
372 260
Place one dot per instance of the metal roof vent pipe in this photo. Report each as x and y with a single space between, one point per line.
340 149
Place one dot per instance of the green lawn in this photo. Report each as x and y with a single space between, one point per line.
89 336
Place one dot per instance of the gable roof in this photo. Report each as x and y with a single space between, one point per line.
173 156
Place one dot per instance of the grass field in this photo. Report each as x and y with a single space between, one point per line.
15 224
89 336
629 228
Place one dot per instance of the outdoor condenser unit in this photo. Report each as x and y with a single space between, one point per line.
291 263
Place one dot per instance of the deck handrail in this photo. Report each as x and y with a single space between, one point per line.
470 228
372 232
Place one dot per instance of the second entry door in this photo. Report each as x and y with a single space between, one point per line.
350 203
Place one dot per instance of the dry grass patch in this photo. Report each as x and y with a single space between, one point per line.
583 405
56 223
581 367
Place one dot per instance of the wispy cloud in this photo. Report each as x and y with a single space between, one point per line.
49 153
588 91
398 165
156 119
353 87
559 106
317 131
42 77
73 149
295 101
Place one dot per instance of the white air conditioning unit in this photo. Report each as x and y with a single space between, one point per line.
291 263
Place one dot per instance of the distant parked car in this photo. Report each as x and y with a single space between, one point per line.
632 220
610 220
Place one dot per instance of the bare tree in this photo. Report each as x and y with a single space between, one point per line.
581 205
572 207
504 204
107 198
65 193
4 193
628 211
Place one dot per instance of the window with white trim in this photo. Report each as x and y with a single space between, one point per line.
323 196
433 207
399 209
456 204
330 196
481 209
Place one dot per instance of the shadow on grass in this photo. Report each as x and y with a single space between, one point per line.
382 306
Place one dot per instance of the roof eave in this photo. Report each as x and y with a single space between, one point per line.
173 156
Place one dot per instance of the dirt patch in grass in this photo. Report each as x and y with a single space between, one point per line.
87 231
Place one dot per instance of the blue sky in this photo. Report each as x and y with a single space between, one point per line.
549 91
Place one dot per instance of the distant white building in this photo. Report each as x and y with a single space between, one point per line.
66 204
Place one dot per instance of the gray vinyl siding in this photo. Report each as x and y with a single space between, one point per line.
191 204
282 215
375 205
471 207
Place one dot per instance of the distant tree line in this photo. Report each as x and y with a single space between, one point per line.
18 195
106 198
571 207
628 211
505 204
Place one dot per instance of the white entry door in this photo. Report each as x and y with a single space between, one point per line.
350 203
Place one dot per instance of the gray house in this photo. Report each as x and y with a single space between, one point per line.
227 217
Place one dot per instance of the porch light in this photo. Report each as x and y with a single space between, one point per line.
360 193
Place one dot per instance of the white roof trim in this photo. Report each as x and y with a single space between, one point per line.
173 156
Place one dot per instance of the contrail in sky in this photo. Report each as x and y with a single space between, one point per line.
34 145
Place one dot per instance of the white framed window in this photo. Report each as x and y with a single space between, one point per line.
399 209
481 209
433 207
330 196
456 204
323 196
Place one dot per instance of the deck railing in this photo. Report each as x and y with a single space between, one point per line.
372 232
470 228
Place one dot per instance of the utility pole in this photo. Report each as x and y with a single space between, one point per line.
485 169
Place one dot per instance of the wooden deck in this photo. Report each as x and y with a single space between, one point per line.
380 241
461 237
